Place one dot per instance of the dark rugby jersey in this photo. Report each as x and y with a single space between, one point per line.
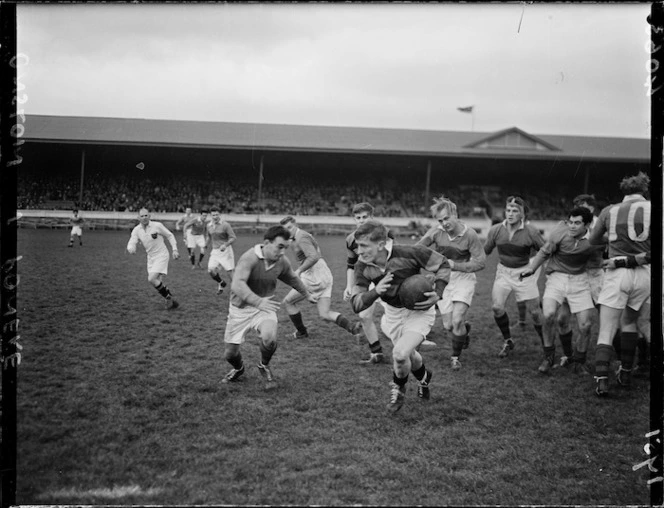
464 249
565 253
514 252
627 225
402 262
197 226
305 246
261 277
351 246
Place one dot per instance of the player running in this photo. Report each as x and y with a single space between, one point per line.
387 265
567 251
221 256
463 249
317 278
626 286
196 237
362 212
251 303
151 234
514 239
179 225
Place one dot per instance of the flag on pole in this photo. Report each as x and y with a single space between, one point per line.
467 109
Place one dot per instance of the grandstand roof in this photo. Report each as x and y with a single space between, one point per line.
509 143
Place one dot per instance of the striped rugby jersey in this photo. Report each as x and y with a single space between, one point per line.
513 252
565 253
351 247
627 225
465 249
261 277
402 262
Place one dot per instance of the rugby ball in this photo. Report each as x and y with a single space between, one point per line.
412 290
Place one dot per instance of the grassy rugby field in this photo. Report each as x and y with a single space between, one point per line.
120 402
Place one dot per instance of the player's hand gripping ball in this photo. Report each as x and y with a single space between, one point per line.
412 290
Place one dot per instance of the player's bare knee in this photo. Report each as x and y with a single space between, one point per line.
498 310
549 318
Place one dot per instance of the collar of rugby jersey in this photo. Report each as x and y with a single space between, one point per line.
147 225
633 197
463 232
258 250
522 224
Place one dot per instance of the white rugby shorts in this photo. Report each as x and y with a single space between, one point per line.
194 241
461 288
76 230
225 259
626 287
242 320
318 280
158 263
524 289
396 321
573 288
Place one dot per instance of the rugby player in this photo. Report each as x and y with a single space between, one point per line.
386 265
221 257
180 223
463 249
317 277
251 302
567 250
362 212
515 240
151 234
76 222
626 286
196 237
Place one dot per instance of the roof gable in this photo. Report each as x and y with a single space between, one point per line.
513 139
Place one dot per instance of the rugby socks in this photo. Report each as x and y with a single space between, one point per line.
644 353
579 357
566 342
192 258
420 373
628 341
297 321
189 251
503 323
163 290
344 323
538 329
616 343
457 343
550 353
521 306
375 347
602 360
216 277
236 362
267 352
400 381
201 256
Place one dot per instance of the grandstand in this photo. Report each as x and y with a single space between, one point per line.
266 170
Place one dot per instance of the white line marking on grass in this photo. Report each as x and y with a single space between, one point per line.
116 492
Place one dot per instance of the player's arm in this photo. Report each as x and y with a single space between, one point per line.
641 259
477 259
351 261
427 238
240 287
165 232
490 243
231 236
311 253
598 234
288 276
549 247
133 241
362 298
439 265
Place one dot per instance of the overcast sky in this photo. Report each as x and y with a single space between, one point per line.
547 69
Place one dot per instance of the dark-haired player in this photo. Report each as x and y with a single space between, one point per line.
251 302
221 257
567 250
515 240
386 265
197 227
626 286
463 249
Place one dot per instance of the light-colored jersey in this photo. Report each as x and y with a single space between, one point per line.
261 276
513 252
465 249
220 233
627 225
152 237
